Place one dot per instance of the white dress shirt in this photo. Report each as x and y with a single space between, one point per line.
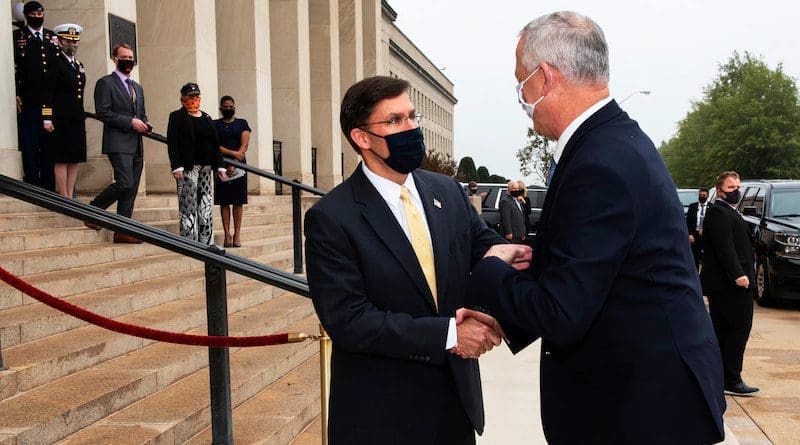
390 192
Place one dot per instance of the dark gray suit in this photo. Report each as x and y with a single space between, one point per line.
512 218
122 144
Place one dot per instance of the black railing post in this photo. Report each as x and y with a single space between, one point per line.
219 367
297 229
1 355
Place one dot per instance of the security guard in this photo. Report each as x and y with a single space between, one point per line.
62 110
35 48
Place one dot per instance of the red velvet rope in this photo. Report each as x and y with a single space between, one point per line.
142 332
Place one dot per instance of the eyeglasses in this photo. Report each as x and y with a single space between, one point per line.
396 121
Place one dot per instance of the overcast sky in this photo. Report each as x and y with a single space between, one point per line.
671 47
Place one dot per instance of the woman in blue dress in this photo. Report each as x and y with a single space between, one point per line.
231 195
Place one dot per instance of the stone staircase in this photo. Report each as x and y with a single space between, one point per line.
70 382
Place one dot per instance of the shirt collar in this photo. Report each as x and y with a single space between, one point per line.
122 76
573 126
40 31
390 191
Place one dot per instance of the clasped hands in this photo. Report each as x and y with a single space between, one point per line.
479 332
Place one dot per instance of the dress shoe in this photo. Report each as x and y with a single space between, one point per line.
740 389
120 237
91 225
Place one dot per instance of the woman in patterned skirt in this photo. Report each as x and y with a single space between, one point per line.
193 148
234 137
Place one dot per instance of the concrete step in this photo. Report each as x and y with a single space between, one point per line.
279 413
14 205
312 435
181 410
23 240
37 362
103 275
59 408
36 220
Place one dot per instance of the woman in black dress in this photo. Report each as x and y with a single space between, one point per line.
194 154
234 137
62 112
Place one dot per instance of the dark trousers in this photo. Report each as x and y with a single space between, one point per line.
697 251
127 172
732 316
455 428
36 166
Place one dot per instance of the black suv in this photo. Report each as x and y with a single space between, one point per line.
771 209
491 195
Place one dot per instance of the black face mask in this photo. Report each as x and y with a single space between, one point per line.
227 113
34 22
473 191
125 66
732 197
406 150
702 199
515 193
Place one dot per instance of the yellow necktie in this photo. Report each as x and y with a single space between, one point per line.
419 241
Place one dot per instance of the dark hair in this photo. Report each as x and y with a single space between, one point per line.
725 175
702 189
361 98
116 48
224 98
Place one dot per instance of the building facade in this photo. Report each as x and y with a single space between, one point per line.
287 63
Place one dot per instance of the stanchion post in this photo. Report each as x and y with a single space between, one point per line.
325 349
297 229
1 355
219 368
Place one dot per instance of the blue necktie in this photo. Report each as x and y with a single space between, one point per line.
550 172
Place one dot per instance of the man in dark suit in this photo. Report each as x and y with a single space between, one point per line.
119 103
388 255
694 223
628 351
35 51
512 216
728 279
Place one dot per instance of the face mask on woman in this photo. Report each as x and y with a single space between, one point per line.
191 103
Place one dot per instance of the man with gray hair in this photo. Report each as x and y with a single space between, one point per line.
629 355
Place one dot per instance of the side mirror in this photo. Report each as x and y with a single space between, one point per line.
751 211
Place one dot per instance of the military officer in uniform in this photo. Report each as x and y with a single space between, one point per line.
62 110
35 49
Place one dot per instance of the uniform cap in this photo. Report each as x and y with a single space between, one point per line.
190 89
31 7
69 31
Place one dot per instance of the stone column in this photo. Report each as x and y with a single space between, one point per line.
177 44
373 52
245 74
10 158
291 85
351 64
324 36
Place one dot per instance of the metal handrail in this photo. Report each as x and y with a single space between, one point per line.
217 262
297 186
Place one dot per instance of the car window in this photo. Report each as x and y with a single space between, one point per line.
687 196
785 203
758 202
749 197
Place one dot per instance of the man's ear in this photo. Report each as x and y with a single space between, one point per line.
550 74
361 138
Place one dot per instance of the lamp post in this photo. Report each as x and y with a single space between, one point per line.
645 92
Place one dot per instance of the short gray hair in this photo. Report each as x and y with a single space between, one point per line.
571 42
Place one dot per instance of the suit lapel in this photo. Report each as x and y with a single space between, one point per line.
380 218
437 226
603 115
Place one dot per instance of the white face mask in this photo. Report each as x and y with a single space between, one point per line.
526 106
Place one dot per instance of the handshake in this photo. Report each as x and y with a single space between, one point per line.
477 333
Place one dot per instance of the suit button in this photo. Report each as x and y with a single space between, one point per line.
79 96
427 358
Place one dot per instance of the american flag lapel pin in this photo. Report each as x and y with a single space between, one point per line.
436 203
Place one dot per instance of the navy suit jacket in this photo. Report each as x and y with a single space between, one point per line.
629 354
391 374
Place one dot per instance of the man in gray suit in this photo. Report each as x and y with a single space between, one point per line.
119 104
512 218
